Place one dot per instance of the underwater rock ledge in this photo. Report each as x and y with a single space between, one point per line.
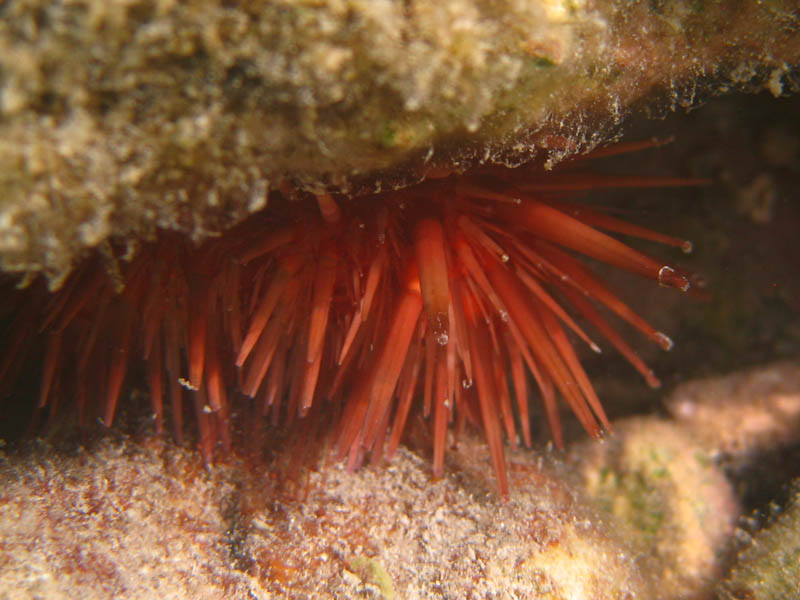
120 118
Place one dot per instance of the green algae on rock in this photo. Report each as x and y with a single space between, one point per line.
769 567
120 118
674 503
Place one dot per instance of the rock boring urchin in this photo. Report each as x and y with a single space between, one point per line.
443 297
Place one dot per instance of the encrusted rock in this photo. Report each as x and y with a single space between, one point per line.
120 118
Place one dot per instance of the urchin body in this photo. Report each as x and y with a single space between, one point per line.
344 312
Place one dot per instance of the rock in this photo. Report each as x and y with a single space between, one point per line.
120 119
675 505
741 415
133 520
769 566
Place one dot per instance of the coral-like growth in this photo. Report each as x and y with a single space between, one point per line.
347 309
769 564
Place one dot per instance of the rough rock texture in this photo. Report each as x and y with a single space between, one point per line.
645 513
742 415
119 118
119 522
676 503
769 566
128 521
144 519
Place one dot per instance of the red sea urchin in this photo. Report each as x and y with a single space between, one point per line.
352 308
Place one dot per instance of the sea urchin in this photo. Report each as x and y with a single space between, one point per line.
346 310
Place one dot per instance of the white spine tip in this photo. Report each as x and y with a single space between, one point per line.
669 277
664 341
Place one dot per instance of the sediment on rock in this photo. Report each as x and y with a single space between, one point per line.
118 119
